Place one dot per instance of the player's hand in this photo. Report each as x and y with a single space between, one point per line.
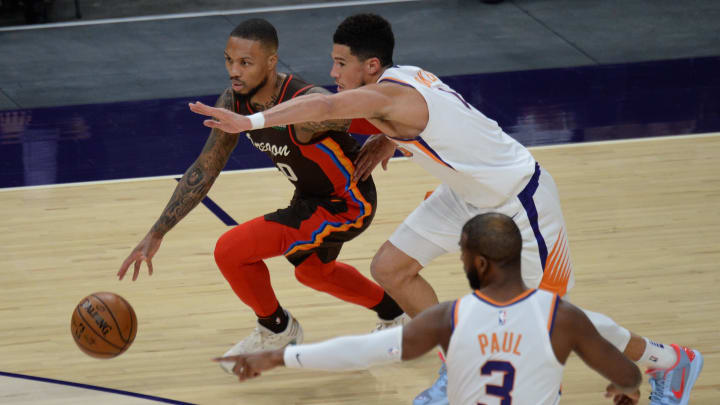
143 252
377 149
223 119
622 398
251 365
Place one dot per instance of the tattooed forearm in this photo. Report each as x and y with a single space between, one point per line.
191 189
315 128
320 127
197 180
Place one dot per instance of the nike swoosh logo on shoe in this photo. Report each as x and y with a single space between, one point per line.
679 394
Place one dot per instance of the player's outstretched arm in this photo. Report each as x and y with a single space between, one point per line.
252 365
422 334
371 101
574 331
428 329
190 190
306 131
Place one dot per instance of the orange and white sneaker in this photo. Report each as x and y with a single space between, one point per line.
672 386
262 338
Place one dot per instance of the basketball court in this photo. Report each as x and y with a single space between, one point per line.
633 148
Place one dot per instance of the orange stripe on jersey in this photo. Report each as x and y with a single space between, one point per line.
397 81
520 297
365 209
557 267
424 150
456 310
346 163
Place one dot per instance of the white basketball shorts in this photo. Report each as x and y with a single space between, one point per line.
434 228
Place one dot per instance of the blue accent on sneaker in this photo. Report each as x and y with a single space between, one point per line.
673 386
437 393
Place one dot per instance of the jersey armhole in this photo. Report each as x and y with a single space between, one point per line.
455 311
553 312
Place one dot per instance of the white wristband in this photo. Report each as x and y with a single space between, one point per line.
257 121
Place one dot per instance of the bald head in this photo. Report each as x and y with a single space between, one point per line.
494 236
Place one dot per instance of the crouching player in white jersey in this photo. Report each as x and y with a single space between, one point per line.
482 169
505 343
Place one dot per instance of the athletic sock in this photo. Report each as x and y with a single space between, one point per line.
277 322
387 309
657 355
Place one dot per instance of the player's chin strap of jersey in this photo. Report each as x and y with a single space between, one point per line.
348 352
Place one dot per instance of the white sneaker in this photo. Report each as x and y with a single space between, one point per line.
400 320
262 338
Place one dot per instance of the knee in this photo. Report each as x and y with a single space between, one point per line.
228 250
222 249
304 276
312 271
391 274
617 335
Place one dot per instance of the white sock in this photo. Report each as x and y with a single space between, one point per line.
657 355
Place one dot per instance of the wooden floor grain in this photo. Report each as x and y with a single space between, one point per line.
643 220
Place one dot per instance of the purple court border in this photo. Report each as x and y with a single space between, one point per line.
94 388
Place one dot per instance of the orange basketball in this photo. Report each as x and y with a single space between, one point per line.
103 325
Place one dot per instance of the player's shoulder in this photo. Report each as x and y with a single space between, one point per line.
569 317
403 73
296 86
318 90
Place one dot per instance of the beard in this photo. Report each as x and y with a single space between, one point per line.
473 279
249 95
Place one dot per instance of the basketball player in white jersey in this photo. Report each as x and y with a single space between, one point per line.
482 169
505 343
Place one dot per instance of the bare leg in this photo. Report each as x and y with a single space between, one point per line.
399 275
635 347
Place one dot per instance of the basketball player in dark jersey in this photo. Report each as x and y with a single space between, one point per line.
327 209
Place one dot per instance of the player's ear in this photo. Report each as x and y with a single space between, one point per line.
272 61
481 264
372 66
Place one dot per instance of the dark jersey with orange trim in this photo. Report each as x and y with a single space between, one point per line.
320 168
328 208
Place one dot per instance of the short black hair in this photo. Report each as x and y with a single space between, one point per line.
367 36
495 236
258 29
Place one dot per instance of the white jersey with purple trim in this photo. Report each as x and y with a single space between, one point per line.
500 352
461 146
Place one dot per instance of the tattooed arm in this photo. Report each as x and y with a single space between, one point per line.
197 180
306 131
191 189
